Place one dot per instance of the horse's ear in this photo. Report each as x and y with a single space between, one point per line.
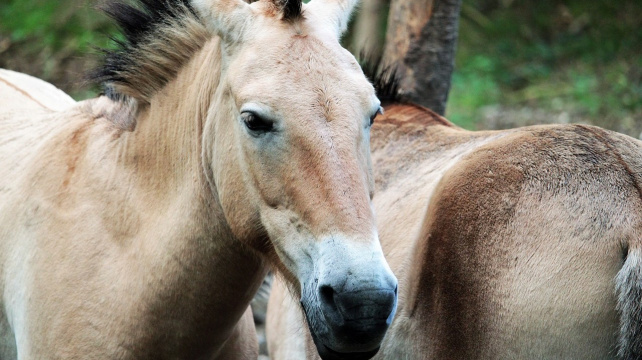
225 18
336 12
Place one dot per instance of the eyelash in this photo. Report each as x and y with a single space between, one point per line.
373 117
256 124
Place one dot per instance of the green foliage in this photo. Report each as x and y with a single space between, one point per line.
582 57
54 24
473 86
53 40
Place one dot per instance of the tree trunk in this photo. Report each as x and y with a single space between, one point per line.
421 42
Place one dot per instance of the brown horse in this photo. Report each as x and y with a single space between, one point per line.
517 244
231 137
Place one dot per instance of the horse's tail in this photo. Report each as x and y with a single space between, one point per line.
629 278
629 305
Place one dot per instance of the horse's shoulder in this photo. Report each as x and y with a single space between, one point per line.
22 91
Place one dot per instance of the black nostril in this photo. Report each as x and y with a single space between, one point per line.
327 295
360 307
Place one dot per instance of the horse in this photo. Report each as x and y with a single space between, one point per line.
230 138
514 244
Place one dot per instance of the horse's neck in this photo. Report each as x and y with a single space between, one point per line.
409 134
167 135
162 206
158 162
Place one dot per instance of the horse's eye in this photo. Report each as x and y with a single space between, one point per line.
255 123
373 117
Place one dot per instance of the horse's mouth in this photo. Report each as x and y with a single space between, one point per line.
328 354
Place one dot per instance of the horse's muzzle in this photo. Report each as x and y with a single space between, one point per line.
350 299
356 321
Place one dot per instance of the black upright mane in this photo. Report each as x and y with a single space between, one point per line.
136 22
384 78
159 36
148 55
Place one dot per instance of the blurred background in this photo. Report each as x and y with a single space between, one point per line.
517 62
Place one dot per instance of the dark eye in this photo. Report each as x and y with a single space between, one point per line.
255 123
373 117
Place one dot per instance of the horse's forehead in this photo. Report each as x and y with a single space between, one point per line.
301 47
302 73
299 55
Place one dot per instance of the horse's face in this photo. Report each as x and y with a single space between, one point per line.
302 111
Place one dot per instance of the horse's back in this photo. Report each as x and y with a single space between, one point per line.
30 110
21 92
521 245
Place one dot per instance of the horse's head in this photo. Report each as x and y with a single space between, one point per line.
289 152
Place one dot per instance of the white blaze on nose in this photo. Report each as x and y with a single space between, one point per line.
353 265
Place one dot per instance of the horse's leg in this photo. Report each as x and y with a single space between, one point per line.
629 291
243 343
